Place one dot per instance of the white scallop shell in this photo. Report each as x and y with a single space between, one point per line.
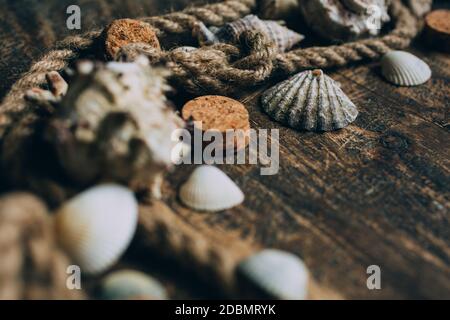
209 189
281 275
404 69
96 226
130 284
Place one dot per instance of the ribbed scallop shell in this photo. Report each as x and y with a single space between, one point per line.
96 226
283 37
359 6
129 285
278 274
404 69
310 101
210 189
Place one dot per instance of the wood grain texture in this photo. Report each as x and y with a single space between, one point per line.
376 192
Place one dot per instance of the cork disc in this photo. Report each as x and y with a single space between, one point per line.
437 29
221 114
125 31
439 20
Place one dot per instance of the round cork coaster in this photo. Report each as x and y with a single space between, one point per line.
125 31
220 114
437 29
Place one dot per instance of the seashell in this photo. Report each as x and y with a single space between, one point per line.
404 69
284 38
209 189
310 101
115 123
345 19
96 226
131 285
278 274
277 9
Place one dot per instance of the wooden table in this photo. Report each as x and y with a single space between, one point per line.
375 193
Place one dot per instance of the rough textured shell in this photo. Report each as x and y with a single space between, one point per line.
97 226
404 69
115 123
345 19
281 275
130 284
209 189
309 101
284 38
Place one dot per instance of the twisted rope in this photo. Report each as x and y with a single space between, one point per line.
220 68
31 266
213 260
212 69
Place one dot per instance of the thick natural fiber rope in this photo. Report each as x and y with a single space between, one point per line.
213 257
31 266
214 69
221 68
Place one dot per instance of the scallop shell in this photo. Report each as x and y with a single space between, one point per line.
284 38
97 226
343 20
209 189
278 274
310 101
131 285
404 69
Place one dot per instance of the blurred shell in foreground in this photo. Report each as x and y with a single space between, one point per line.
96 227
131 285
114 124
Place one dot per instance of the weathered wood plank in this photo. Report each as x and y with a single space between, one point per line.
374 193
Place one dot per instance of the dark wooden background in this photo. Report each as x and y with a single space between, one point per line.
376 192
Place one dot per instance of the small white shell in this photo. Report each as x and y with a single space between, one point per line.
130 284
97 226
209 189
279 274
404 69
